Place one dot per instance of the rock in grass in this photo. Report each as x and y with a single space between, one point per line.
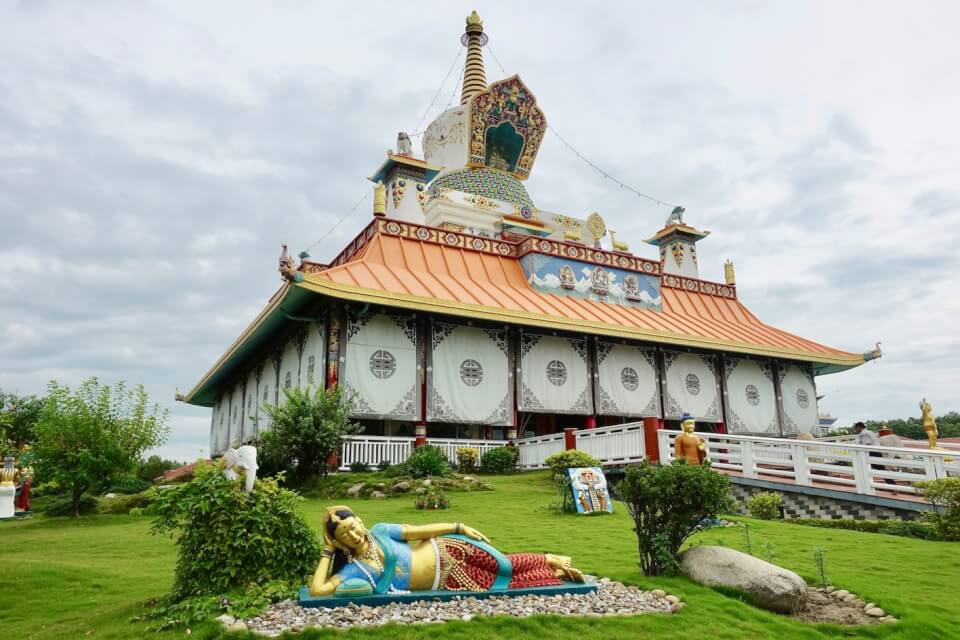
378 494
355 490
771 587
401 487
875 612
660 593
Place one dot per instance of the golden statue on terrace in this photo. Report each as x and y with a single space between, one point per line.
688 446
929 423
400 558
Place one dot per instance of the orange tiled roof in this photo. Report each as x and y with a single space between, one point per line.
409 273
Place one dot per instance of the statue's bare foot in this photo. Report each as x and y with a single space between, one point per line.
562 568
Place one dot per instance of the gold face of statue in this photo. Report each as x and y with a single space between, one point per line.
350 532
688 426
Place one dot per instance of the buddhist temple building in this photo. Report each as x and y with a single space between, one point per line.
464 309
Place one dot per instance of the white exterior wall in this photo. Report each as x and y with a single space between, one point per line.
446 143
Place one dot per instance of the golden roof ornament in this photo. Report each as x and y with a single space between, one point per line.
379 199
728 273
597 227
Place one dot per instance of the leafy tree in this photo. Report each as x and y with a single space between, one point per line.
155 466
948 425
305 430
88 436
18 415
667 504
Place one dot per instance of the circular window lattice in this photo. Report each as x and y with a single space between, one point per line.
471 372
382 364
753 394
692 383
556 373
803 399
629 378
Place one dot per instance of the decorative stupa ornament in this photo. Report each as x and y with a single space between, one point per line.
597 228
379 200
677 241
728 275
474 75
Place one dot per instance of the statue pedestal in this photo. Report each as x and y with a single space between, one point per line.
7 494
377 599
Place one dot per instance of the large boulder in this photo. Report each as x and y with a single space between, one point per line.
768 585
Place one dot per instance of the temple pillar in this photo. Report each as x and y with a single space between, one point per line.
650 441
487 432
420 434
570 438
591 422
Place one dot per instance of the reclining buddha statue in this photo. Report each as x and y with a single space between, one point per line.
395 558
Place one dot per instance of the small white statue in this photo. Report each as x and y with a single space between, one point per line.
242 459
404 146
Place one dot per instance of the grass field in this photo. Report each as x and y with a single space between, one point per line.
87 578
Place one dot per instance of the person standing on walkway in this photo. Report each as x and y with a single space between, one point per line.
870 439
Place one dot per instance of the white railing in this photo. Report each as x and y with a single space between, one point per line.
619 444
533 451
451 445
372 450
841 466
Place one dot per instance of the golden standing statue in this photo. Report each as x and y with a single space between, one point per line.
929 423
689 446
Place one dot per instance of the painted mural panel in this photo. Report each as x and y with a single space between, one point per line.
554 375
469 379
799 393
692 386
381 369
562 277
627 382
751 398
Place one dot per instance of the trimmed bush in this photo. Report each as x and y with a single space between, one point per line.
910 529
123 504
499 460
426 460
359 467
765 505
128 485
228 539
558 464
467 459
62 505
384 465
944 495
667 504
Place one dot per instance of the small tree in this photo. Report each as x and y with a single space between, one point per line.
944 495
306 429
558 463
667 504
95 433
18 417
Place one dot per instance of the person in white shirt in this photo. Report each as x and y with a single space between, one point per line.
869 438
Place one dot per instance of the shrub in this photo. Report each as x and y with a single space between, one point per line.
765 505
499 460
467 459
359 467
426 460
124 504
62 505
944 495
384 465
228 539
128 485
910 529
558 464
667 503
305 430
434 498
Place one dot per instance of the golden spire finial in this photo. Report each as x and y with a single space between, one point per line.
728 273
474 75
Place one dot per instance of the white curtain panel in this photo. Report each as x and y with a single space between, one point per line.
247 428
313 361
799 398
219 424
236 412
692 386
265 394
289 367
380 368
751 399
554 375
627 382
469 380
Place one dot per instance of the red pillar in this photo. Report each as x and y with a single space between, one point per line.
488 432
420 433
570 438
591 422
650 442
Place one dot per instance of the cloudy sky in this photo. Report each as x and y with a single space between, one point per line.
153 156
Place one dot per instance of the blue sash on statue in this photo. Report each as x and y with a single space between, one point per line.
389 560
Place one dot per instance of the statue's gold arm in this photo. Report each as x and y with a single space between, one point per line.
323 584
427 531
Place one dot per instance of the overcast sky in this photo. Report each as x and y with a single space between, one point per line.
153 156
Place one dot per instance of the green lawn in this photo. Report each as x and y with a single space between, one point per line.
89 577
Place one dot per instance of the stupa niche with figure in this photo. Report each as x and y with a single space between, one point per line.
465 310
